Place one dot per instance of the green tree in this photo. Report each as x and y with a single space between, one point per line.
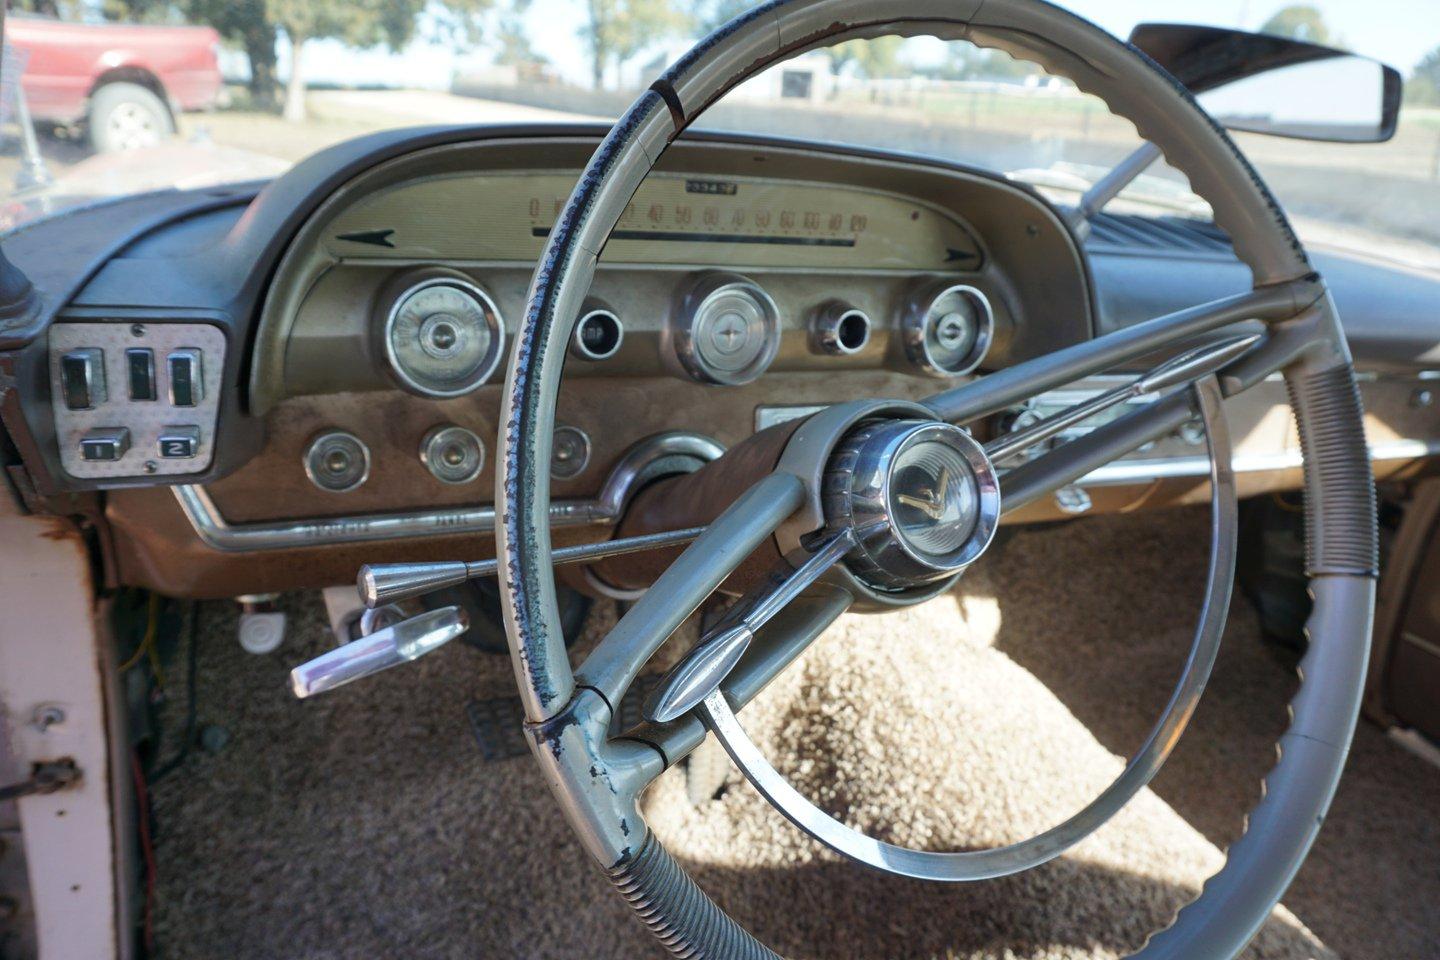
723 11
359 23
874 59
512 40
246 23
1299 21
1423 87
616 30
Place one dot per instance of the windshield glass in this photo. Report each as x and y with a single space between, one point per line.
211 93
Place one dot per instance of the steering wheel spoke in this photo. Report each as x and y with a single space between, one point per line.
613 665
1014 385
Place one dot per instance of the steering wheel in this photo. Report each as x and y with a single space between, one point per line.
878 504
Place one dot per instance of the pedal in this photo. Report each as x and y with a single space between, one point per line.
499 727
261 627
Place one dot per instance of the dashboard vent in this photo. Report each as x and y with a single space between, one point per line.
1158 236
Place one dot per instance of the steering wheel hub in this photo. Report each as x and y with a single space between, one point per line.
920 497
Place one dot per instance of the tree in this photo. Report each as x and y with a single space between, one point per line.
359 23
616 30
512 40
722 12
874 59
1299 21
245 22
1423 87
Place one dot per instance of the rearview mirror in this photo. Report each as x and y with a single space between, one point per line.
1274 85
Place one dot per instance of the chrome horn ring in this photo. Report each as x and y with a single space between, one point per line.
948 866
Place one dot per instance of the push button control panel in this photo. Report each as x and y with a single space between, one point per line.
135 399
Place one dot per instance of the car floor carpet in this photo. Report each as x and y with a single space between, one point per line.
363 823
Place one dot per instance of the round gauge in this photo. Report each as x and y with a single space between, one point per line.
443 337
948 331
728 331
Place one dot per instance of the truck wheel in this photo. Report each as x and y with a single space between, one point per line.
126 116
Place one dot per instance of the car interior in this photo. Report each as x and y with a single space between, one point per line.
836 539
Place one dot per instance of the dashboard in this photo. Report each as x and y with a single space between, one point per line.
258 388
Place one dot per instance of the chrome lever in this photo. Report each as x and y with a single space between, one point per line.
1186 368
382 583
381 650
701 671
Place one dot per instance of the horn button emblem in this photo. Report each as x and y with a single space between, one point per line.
921 498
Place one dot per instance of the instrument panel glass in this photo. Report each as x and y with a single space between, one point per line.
673 219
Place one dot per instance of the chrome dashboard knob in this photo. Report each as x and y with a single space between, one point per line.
839 329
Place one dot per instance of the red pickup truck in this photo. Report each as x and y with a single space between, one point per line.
122 83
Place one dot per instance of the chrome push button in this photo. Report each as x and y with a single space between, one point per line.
452 454
105 444
178 443
337 461
187 382
82 378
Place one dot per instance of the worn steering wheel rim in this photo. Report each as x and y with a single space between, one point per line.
596 780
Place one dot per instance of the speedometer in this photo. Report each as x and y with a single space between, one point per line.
443 337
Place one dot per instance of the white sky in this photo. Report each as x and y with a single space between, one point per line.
1398 32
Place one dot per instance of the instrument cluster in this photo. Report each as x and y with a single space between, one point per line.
441 334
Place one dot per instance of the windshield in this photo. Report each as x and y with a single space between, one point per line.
227 92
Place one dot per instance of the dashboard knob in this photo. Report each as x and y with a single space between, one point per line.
947 329
452 454
337 461
728 330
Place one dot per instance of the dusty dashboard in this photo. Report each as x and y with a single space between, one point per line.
274 388
742 286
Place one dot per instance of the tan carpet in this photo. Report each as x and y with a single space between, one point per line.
363 824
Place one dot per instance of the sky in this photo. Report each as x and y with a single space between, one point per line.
1398 32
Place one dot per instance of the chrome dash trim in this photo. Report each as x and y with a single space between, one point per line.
1123 472
655 456
219 534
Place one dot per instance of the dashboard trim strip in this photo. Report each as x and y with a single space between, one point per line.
212 528
655 456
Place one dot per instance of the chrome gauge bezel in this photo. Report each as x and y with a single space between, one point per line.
693 314
432 447
316 447
487 367
919 317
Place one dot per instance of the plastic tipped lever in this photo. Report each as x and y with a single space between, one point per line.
380 650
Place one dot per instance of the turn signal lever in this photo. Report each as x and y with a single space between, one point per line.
381 650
